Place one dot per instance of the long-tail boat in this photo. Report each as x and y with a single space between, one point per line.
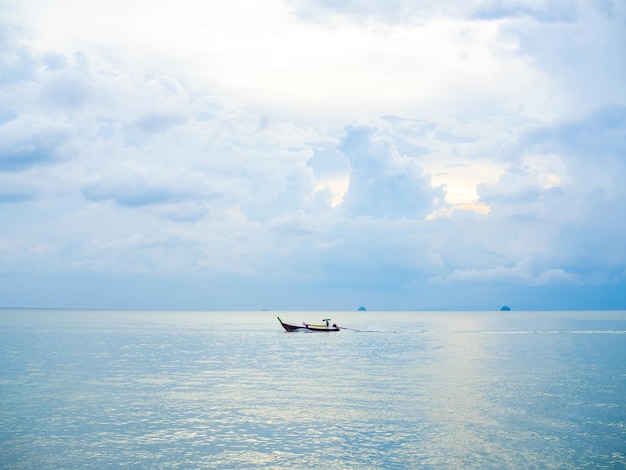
326 326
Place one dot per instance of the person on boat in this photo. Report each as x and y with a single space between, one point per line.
327 321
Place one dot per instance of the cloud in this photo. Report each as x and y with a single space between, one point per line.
8 195
161 103
382 182
271 57
525 272
138 185
31 140
17 61
406 11
569 158
391 11
185 212
598 134
579 56
561 192
390 151
545 11
65 89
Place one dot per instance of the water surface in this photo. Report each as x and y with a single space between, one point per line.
102 389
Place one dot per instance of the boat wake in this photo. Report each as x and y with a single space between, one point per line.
548 332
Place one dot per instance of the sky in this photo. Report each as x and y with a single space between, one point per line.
313 154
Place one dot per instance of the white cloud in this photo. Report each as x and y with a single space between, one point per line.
138 185
267 56
31 140
308 144
523 273
579 56
383 183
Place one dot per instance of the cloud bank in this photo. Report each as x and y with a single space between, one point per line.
313 155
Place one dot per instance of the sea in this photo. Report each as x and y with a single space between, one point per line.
91 389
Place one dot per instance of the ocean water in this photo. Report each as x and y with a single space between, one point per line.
129 389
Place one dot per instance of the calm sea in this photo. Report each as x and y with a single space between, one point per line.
130 389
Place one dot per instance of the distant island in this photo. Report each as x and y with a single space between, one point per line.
361 309
505 309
